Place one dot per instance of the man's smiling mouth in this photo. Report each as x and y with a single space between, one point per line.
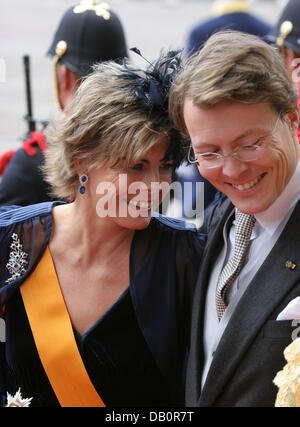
248 185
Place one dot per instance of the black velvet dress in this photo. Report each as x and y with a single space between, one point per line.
135 353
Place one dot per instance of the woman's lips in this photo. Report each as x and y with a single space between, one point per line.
139 204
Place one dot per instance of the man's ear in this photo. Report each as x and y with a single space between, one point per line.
62 77
293 119
68 82
67 78
73 80
292 62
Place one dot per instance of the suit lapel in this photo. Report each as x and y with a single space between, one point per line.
213 246
214 242
271 284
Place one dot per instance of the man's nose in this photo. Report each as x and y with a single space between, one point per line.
232 166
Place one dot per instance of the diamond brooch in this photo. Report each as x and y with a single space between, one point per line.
17 259
17 401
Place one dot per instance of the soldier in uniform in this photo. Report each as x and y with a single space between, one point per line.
227 14
87 33
286 35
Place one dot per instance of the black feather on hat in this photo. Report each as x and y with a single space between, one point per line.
152 87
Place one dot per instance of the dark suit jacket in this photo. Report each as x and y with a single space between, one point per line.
250 352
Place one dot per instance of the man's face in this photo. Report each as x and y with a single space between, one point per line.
291 61
251 186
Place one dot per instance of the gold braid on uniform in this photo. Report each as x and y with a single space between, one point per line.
60 50
223 7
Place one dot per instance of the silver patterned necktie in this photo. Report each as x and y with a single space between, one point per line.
243 227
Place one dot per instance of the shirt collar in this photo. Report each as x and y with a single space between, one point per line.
272 217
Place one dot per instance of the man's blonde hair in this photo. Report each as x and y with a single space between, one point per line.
233 66
106 125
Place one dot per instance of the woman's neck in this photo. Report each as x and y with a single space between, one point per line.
86 235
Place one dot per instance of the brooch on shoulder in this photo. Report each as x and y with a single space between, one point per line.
17 259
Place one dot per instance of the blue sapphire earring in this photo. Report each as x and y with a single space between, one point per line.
83 179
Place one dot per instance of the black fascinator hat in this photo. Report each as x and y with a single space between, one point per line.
152 88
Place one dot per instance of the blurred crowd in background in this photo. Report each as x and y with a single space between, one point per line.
27 28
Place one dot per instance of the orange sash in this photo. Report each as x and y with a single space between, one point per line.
54 338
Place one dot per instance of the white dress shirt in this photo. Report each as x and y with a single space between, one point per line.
267 223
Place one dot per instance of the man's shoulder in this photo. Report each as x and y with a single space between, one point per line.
36 140
23 161
32 149
22 181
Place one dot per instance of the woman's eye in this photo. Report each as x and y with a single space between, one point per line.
167 166
137 167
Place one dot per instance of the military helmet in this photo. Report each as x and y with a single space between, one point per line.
88 33
287 30
222 7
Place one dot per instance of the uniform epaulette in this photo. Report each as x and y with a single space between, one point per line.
36 138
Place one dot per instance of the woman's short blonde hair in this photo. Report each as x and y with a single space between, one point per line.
232 66
107 123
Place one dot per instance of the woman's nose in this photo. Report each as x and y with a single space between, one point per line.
151 175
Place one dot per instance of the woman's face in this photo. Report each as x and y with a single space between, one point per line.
127 197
